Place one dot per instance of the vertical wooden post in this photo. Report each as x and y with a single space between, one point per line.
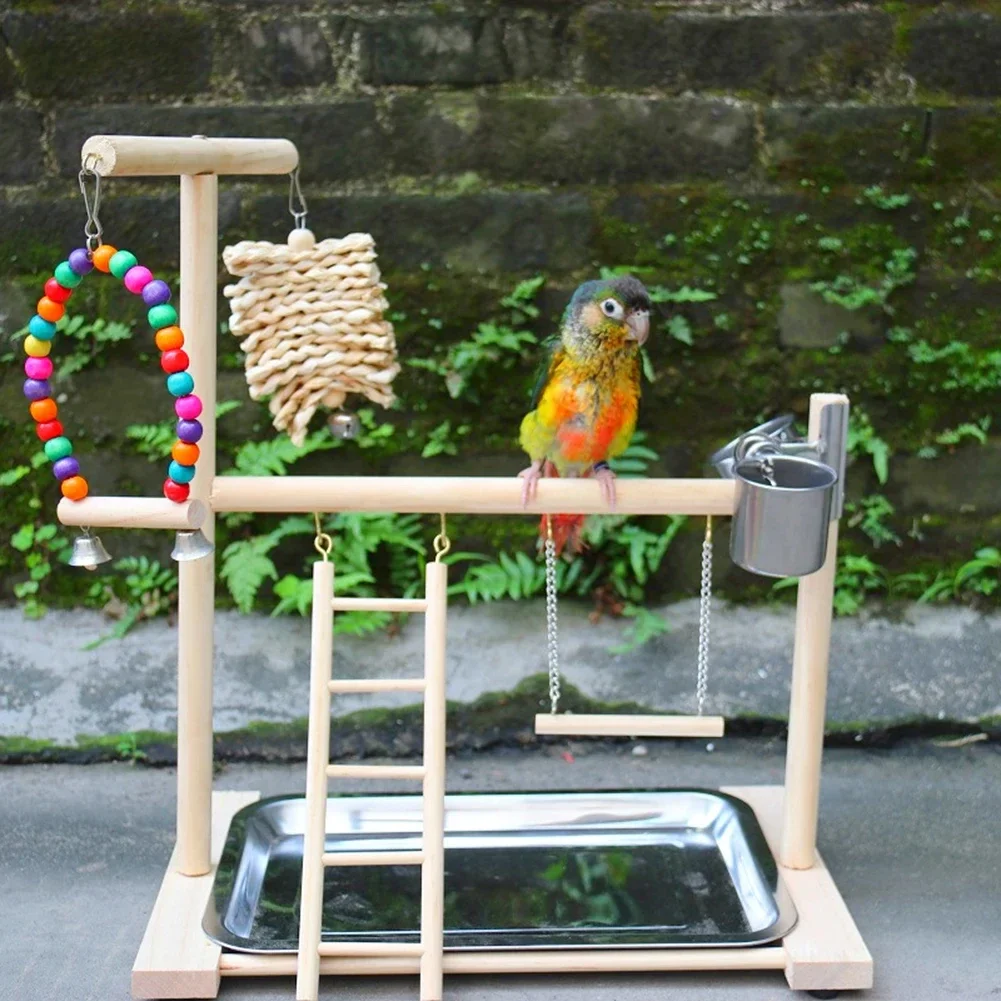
307 985
808 694
433 840
196 583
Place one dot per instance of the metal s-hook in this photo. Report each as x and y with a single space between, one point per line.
323 544
295 196
442 543
92 228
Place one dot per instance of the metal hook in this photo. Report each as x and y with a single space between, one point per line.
442 543
92 228
295 195
323 543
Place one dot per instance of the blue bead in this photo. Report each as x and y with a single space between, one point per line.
41 328
180 384
179 473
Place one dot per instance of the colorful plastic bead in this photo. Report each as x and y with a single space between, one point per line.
35 347
37 389
180 383
174 361
188 407
156 293
63 469
37 368
162 316
138 278
189 431
58 448
41 328
179 473
169 338
102 257
49 310
49 430
177 492
66 276
57 292
80 263
121 262
44 410
185 453
75 488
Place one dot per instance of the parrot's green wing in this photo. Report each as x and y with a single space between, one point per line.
552 348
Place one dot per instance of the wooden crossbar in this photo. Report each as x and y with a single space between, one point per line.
583 725
344 686
372 858
371 949
379 605
413 772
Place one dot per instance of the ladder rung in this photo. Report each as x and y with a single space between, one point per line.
371 949
373 858
583 725
376 772
345 685
379 605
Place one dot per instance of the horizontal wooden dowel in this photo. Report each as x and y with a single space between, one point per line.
150 156
132 512
379 605
466 495
345 686
410 772
583 725
377 949
372 858
240 964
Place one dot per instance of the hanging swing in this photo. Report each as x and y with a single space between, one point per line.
620 725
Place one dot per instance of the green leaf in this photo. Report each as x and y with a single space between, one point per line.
23 539
11 476
680 329
245 567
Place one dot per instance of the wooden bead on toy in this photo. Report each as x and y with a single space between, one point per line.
63 469
188 407
80 263
180 384
162 316
138 278
189 430
102 257
174 361
49 430
35 347
37 389
300 240
121 262
179 473
44 410
49 310
37 368
156 293
75 488
177 492
169 338
41 328
185 453
57 292
58 448
66 276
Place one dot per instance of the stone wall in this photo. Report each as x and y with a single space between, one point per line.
752 149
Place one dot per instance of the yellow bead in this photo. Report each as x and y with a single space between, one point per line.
36 348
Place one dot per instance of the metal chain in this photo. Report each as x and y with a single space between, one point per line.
705 608
552 625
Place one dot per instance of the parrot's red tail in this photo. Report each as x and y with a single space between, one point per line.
566 527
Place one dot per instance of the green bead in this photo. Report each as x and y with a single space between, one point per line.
163 315
121 262
66 276
58 448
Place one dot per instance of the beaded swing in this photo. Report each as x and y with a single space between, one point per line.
311 319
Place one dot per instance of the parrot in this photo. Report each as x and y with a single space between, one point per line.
586 401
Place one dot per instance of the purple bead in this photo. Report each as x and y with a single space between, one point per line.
63 469
156 293
37 389
80 261
189 431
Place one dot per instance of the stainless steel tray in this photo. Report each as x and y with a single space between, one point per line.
523 871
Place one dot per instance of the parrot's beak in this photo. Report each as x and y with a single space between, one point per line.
639 326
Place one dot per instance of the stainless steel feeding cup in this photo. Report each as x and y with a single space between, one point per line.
783 513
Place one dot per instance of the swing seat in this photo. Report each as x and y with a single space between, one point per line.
583 725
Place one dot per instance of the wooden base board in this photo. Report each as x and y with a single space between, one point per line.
175 959
823 952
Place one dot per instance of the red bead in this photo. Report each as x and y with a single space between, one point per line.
49 430
174 361
177 492
57 292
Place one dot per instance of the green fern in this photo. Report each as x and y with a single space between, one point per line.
273 457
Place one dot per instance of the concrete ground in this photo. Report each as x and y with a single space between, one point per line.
910 835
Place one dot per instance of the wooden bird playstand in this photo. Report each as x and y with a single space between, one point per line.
824 951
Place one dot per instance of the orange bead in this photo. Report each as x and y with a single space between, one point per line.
74 488
185 453
169 338
49 310
102 257
44 410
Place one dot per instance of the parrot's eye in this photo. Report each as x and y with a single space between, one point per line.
613 308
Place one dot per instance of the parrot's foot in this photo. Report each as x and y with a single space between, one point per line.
530 482
606 480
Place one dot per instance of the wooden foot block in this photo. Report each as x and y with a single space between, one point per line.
175 959
825 950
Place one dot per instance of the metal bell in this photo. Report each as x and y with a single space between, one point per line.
191 546
88 552
344 425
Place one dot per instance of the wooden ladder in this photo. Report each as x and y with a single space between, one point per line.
431 775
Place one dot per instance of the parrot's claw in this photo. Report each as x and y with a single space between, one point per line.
606 480
530 483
